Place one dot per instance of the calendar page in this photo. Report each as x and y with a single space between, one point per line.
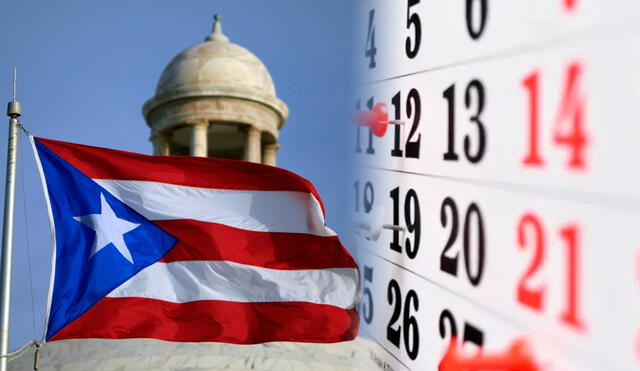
495 191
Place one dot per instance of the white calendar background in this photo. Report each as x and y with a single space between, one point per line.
507 204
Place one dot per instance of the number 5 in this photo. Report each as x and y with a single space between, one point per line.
413 19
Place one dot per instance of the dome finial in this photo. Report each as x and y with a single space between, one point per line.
216 34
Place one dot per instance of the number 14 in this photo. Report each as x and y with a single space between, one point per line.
569 128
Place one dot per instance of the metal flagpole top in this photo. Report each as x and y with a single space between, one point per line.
13 108
13 111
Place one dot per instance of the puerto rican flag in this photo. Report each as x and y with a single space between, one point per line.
190 249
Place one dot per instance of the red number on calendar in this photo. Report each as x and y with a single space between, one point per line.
570 315
533 157
569 129
527 295
531 232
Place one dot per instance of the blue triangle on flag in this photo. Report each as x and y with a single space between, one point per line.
86 272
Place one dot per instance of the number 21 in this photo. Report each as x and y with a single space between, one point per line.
532 233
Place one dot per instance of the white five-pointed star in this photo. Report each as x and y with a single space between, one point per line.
109 229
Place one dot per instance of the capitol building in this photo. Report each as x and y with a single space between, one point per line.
214 99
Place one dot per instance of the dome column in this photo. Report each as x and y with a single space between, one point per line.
161 144
269 154
198 141
252 145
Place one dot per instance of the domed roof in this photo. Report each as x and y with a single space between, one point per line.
216 62
216 67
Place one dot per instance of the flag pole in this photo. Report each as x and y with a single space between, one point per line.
13 111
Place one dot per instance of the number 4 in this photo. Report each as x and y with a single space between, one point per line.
571 114
370 49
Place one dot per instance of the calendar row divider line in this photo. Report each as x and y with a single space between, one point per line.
616 201
592 36
484 307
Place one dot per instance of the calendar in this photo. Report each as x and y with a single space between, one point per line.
495 191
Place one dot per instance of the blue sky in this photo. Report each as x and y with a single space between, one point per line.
86 67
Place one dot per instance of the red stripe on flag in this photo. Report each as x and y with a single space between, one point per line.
104 163
217 321
210 241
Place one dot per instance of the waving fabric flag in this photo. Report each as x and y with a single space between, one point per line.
190 249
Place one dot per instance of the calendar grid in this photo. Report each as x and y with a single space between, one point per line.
495 188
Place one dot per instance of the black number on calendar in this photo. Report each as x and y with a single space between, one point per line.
369 149
408 330
366 307
395 102
449 264
476 12
412 222
413 110
394 299
370 49
367 196
413 19
470 333
474 101
473 238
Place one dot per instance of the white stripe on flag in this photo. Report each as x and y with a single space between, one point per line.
187 281
263 211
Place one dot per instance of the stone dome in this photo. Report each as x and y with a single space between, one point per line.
216 67
215 64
